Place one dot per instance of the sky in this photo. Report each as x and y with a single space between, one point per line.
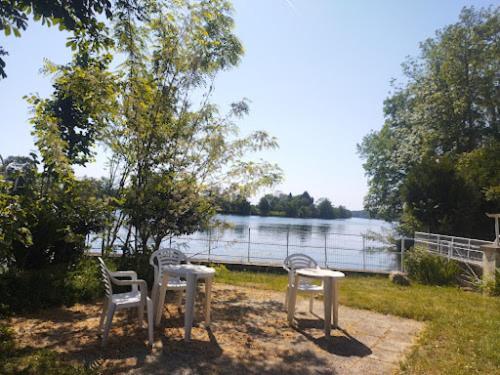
316 73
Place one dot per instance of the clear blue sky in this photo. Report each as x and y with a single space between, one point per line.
317 73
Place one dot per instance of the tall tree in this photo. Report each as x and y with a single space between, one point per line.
447 106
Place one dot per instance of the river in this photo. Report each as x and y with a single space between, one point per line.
341 244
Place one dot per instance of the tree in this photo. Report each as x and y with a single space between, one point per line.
481 169
447 107
169 153
168 145
438 200
325 209
264 206
80 17
46 216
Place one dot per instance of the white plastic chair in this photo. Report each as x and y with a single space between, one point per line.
294 262
137 297
159 259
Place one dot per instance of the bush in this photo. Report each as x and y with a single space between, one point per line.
30 290
427 268
138 262
84 282
491 287
6 341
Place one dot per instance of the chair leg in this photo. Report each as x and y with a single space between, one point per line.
179 297
140 313
149 307
107 325
161 301
311 301
154 295
208 299
286 297
293 299
103 315
189 313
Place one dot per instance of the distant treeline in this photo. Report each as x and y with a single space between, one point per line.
285 205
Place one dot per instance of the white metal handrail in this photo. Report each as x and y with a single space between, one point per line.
459 248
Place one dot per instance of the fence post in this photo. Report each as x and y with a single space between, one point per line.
326 259
450 248
248 257
209 240
402 254
364 253
287 235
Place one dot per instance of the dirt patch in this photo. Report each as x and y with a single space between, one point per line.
249 335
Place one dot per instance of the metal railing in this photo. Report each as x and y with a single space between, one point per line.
251 246
466 250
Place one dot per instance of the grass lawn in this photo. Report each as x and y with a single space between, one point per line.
463 328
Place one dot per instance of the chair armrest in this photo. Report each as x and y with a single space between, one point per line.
131 274
140 283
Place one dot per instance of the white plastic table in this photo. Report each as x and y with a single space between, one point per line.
192 273
330 290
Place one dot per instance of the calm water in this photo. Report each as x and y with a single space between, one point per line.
343 244
340 244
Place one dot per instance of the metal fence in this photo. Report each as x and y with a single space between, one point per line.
348 252
462 249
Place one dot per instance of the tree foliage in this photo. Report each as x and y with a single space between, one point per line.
301 205
169 147
448 107
84 18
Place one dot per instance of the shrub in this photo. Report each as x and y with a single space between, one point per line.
427 268
6 341
30 290
138 262
491 287
84 282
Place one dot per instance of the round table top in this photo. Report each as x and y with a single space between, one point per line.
183 269
319 273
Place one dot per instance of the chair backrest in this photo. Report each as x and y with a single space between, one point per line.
165 257
297 261
106 278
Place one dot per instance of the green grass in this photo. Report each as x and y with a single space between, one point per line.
462 334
